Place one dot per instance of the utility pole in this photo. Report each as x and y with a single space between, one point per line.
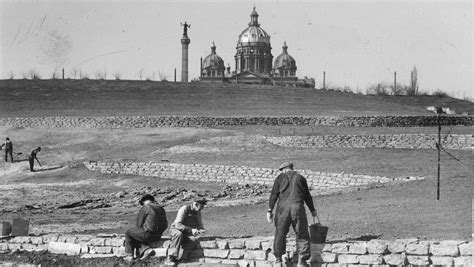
63 73
395 81
174 74
439 150
324 80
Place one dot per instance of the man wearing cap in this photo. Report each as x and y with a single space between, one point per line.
291 191
8 149
185 230
151 223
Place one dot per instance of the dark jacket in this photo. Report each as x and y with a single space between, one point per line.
290 187
152 218
8 145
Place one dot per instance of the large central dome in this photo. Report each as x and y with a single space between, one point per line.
254 33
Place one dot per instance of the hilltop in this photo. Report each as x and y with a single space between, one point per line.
32 98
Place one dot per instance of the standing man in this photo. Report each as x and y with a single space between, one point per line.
32 157
291 191
151 223
8 149
185 230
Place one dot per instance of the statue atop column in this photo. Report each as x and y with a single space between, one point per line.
185 28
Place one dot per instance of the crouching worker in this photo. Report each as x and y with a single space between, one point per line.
185 231
151 223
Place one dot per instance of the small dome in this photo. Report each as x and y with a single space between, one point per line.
284 60
254 33
213 60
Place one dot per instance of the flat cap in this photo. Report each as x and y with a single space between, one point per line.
201 200
285 165
145 198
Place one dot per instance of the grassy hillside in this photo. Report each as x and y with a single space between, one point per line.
21 98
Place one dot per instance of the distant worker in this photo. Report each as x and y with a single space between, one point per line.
150 225
291 191
32 158
8 149
185 230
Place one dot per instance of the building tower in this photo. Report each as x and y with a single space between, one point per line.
184 56
212 68
254 49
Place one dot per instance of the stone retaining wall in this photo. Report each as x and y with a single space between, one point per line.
188 121
236 174
407 141
257 251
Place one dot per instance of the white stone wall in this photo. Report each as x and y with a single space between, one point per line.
257 251
236 174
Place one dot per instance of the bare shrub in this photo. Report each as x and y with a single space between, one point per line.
74 72
141 73
413 88
440 93
83 75
378 89
117 75
399 90
33 74
55 74
100 75
163 77
11 75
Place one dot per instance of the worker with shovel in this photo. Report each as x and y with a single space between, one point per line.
32 158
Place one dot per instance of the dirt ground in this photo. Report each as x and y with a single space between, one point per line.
63 196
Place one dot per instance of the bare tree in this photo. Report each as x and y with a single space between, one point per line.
117 75
163 77
75 72
33 74
11 75
83 75
54 74
140 73
378 89
399 90
99 75
413 89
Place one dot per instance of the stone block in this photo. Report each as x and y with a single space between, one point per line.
29 247
208 244
36 240
255 255
3 247
446 261
377 246
466 249
50 238
212 261
20 240
119 251
114 242
161 252
263 264
267 245
91 256
64 248
222 244
418 260
216 253
371 259
100 242
463 261
340 248
84 247
244 263
236 254
100 250
358 248
84 238
395 259
348 259
253 244
420 248
71 240
326 257
452 242
14 247
396 247
444 250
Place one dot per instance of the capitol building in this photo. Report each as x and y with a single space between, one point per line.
254 62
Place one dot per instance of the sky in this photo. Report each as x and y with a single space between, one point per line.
357 43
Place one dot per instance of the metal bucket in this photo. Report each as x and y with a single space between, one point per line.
318 233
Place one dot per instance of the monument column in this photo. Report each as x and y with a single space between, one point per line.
184 58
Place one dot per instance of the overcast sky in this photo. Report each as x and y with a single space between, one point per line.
357 43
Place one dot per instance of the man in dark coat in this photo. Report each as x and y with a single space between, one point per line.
291 191
151 223
8 149
32 157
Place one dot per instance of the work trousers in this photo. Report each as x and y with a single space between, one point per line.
293 214
137 239
182 244
32 163
8 152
